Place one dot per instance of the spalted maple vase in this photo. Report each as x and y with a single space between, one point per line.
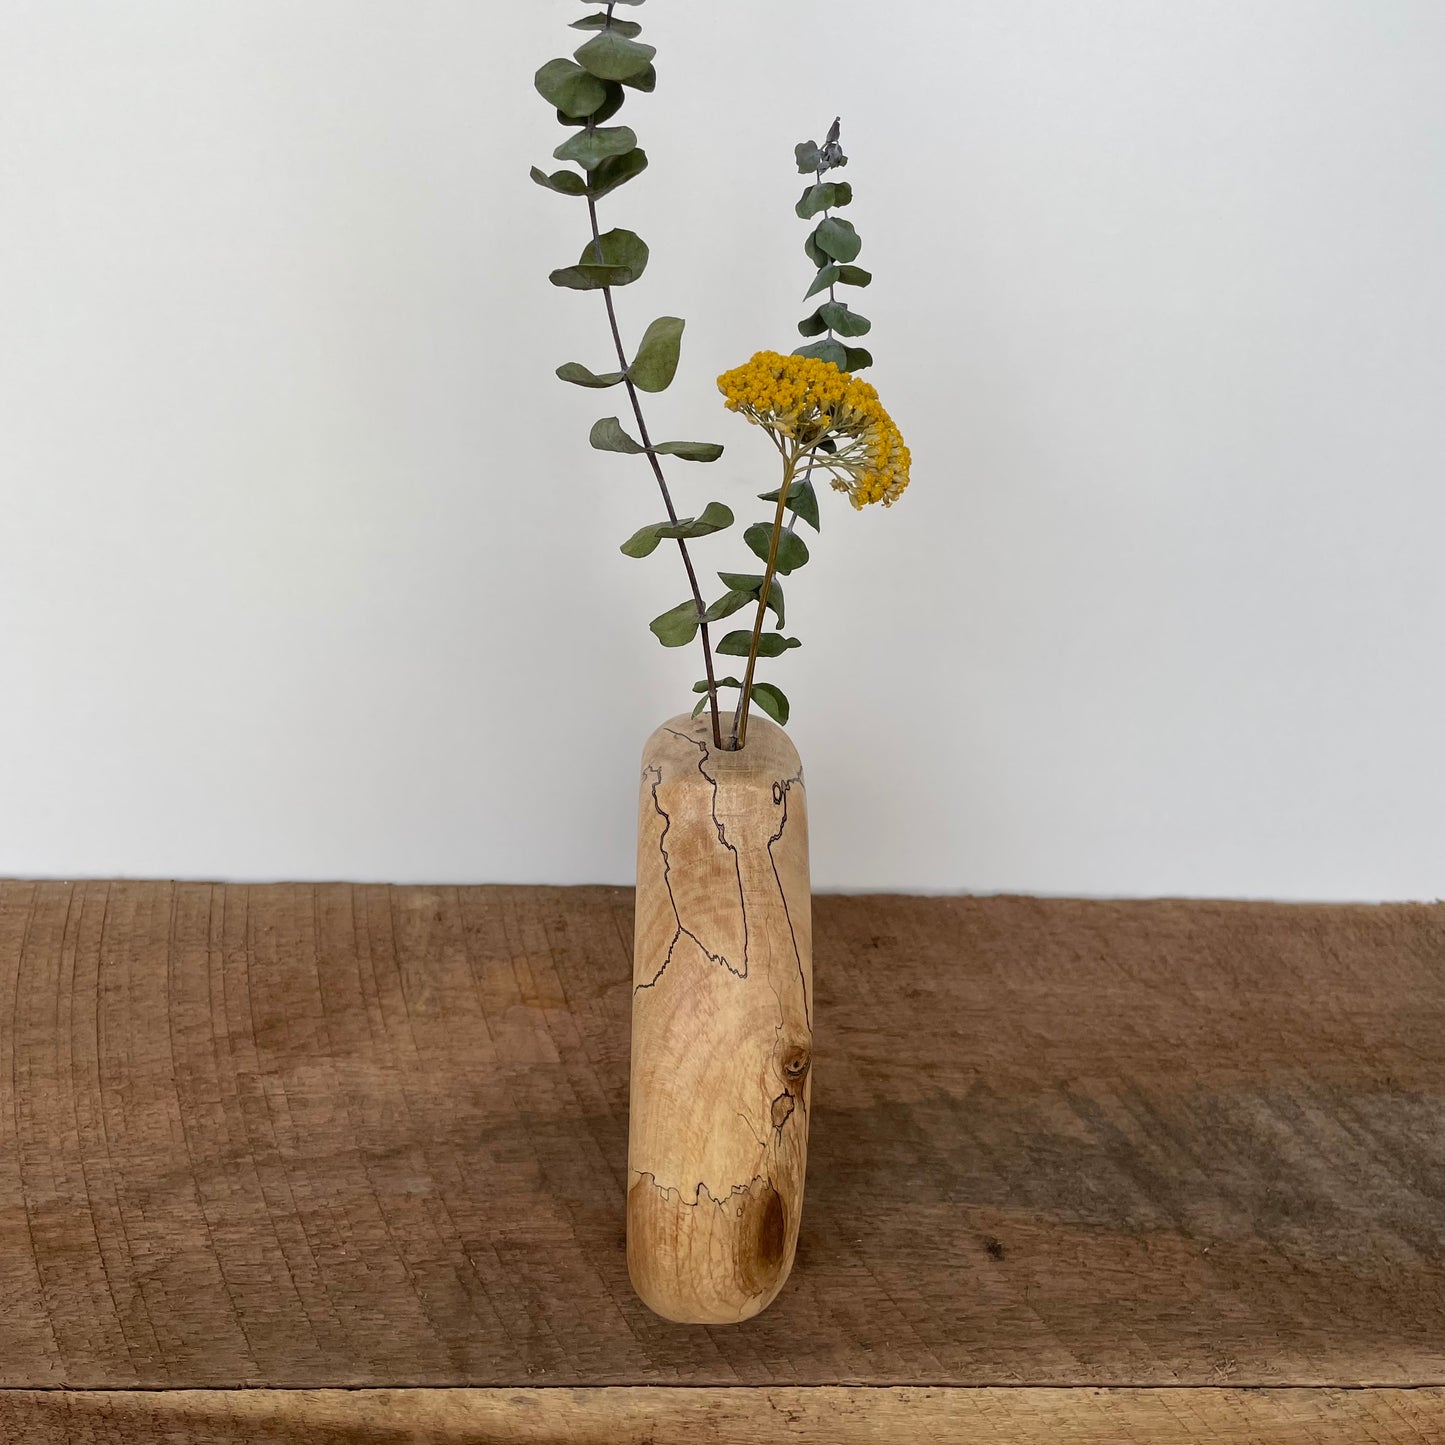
721 1023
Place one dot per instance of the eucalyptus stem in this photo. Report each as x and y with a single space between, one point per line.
636 401
740 718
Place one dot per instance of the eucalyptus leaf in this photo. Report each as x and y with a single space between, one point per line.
752 584
792 550
589 148
837 239
715 517
565 183
607 435
609 107
836 275
823 196
828 276
690 451
730 602
677 626
571 88
858 358
829 350
615 171
802 499
611 56
836 316
590 277
618 248
644 80
814 252
655 364
578 375
809 157
719 684
629 28
772 701
770 644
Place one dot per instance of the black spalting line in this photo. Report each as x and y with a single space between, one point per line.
702 1189
667 870
780 796
667 879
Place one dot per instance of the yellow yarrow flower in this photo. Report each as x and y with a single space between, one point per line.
802 401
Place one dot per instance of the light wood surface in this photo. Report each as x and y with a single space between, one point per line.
721 1023
343 1136
654 1416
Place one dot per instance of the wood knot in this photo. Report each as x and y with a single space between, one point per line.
795 1065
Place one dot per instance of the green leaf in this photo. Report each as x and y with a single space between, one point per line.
702 688
589 148
610 56
858 358
570 88
837 239
578 375
809 157
677 626
772 701
715 517
812 325
728 603
752 583
828 276
565 183
814 252
619 250
833 351
837 317
770 644
655 364
690 451
823 196
792 550
615 171
630 28
609 107
645 81
607 436
802 499
589 277
836 275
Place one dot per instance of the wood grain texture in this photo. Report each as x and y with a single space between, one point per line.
722 1032
821 1415
338 1135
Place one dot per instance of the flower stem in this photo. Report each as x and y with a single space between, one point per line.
740 718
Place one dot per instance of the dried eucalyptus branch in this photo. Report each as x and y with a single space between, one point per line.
587 90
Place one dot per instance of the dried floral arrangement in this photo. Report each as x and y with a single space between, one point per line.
823 421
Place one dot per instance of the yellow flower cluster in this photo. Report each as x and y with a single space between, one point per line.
803 401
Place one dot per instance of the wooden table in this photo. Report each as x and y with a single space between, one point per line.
1084 1172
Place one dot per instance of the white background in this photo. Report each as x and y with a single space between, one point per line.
307 571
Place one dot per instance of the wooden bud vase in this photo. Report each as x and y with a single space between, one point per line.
721 1023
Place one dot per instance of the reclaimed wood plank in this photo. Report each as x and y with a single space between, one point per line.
335 1135
642 1416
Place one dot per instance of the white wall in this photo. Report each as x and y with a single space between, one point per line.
306 569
